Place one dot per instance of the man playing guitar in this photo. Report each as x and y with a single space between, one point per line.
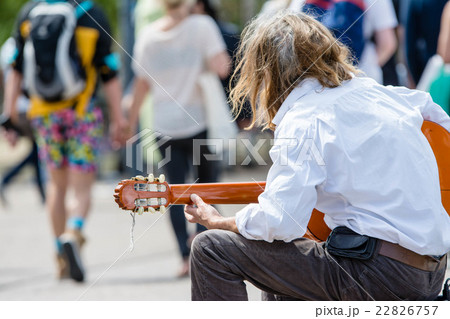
368 168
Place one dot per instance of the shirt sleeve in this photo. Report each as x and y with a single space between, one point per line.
284 208
434 112
211 40
424 103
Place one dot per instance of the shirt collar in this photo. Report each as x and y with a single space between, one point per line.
300 90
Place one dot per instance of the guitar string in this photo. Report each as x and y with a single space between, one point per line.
133 223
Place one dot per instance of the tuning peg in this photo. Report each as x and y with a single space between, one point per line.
151 178
118 187
151 210
140 178
162 178
140 210
162 209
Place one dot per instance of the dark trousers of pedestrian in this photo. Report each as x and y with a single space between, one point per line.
301 270
31 159
182 160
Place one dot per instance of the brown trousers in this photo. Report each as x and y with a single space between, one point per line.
301 270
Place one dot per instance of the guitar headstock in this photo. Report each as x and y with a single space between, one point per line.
143 194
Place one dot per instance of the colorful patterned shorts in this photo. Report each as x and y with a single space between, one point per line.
65 140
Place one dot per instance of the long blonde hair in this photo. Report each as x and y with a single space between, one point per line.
276 53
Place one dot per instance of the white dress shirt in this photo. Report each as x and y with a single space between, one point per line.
357 154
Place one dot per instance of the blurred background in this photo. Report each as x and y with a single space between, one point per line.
126 18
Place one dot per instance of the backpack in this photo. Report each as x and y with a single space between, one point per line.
342 17
53 69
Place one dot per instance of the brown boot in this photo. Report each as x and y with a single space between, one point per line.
77 236
62 269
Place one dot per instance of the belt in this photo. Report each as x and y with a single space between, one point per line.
408 257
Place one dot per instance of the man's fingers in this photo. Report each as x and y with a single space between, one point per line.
189 217
197 200
190 209
190 213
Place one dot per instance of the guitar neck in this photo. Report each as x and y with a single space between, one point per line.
217 193
139 196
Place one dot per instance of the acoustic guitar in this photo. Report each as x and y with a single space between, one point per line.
149 194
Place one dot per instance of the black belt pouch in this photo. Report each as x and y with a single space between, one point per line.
344 242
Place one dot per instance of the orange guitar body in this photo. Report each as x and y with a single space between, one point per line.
439 139
126 193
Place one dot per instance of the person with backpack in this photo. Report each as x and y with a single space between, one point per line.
62 49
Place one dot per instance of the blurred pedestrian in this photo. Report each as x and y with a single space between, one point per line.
62 47
367 27
24 129
443 48
439 86
421 20
231 36
391 68
379 25
343 18
170 56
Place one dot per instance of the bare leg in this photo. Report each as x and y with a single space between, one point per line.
57 189
81 184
